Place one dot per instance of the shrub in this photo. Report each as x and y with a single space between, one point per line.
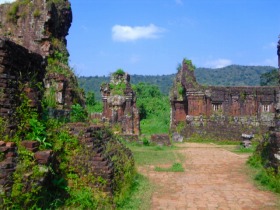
78 113
119 72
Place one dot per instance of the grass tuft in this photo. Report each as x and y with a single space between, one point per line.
176 167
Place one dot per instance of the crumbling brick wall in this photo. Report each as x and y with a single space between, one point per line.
96 140
269 148
119 104
41 26
20 72
220 112
33 24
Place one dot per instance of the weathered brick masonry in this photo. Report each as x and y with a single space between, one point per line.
270 148
20 72
38 30
119 104
41 26
220 112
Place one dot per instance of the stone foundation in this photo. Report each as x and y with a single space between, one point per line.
161 139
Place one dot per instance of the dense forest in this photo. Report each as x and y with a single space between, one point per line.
233 75
270 78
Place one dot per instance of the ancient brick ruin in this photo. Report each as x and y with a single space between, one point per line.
119 104
269 148
41 27
20 72
219 112
36 24
95 140
34 67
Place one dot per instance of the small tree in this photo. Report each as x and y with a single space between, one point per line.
90 98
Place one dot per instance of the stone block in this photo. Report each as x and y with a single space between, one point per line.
4 149
10 144
161 139
43 157
176 137
31 145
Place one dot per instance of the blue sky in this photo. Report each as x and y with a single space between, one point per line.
151 37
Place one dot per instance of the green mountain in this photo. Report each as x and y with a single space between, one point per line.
233 75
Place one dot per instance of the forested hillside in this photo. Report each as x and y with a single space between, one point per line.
270 78
233 75
164 82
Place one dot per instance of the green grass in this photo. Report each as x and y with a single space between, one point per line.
154 125
140 195
267 178
176 167
154 155
142 189
241 149
200 139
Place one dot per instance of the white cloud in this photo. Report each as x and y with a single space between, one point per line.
180 2
6 1
219 63
128 33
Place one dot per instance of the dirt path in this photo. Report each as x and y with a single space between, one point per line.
214 178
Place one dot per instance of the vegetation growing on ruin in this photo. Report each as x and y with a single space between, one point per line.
264 173
13 12
118 89
70 188
119 72
265 176
189 64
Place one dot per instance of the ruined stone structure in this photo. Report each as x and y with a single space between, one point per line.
34 69
41 26
219 112
270 148
20 72
38 25
95 140
119 104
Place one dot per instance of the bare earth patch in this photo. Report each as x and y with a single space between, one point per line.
214 178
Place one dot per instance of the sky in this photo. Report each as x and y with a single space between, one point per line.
151 37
